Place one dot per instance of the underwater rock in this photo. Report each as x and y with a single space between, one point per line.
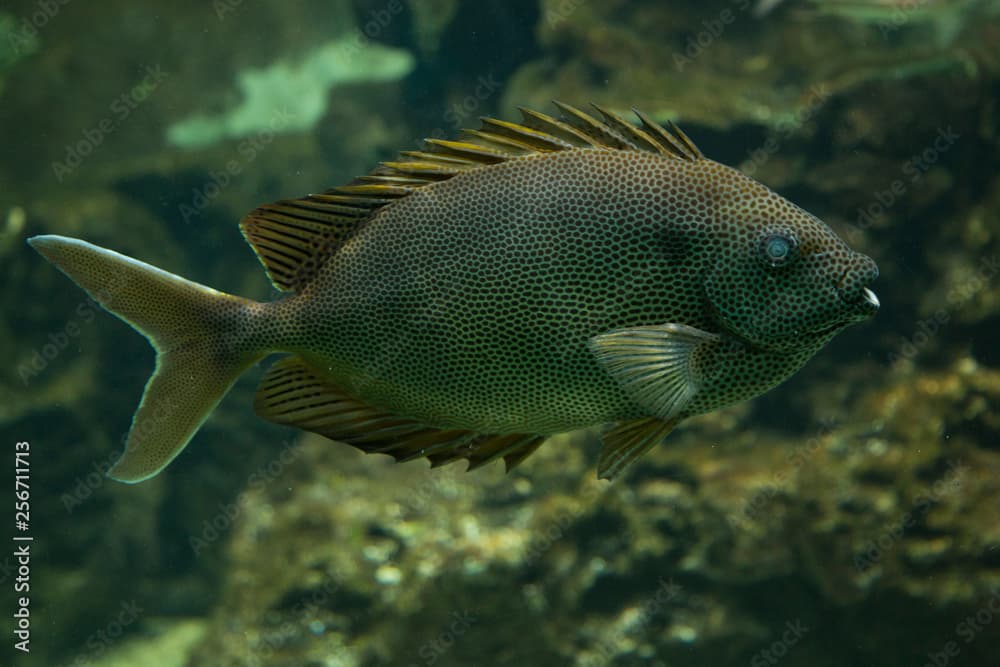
292 96
723 64
703 555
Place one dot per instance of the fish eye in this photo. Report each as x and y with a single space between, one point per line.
778 249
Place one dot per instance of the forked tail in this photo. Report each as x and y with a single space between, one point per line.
197 333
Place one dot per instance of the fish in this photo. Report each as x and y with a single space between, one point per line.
468 300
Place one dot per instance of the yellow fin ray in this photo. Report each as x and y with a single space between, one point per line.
292 238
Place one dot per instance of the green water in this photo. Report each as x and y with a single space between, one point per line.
850 516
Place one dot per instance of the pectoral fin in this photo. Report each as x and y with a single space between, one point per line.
657 366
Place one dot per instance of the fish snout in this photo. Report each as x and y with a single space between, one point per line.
853 287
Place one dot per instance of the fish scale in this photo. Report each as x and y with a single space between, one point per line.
468 300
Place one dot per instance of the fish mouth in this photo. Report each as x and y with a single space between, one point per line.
864 305
858 297
869 298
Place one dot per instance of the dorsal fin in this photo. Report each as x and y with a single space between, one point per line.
292 238
292 393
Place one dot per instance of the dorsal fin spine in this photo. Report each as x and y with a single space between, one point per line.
292 238
545 123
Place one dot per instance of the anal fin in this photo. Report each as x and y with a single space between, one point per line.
292 393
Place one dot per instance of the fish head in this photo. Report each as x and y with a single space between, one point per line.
781 279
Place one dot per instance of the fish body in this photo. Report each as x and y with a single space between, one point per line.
486 289
472 299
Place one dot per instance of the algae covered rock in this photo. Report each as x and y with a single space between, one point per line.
704 555
266 93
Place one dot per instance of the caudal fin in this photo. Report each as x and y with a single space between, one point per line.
194 330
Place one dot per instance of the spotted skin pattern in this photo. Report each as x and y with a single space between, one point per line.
470 299
470 302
